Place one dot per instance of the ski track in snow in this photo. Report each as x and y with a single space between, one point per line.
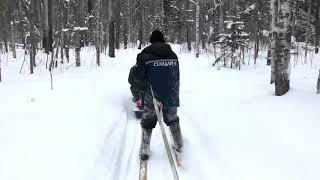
123 160
126 149
112 152
197 146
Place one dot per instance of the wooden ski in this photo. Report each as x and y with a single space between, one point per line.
143 169
178 157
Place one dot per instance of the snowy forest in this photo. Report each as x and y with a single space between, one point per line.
66 106
233 26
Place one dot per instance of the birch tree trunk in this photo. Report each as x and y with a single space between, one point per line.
280 45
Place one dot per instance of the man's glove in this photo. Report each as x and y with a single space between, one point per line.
139 103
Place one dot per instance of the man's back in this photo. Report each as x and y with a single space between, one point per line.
162 72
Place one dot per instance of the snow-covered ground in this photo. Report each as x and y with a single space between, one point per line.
233 126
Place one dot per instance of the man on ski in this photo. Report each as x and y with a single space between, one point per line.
158 65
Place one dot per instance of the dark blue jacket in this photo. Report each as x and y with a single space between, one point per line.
160 67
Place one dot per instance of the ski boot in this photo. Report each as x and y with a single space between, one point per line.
177 137
145 144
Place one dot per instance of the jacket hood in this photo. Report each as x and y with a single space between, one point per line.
159 49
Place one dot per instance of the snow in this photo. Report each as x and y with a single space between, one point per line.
232 124
80 28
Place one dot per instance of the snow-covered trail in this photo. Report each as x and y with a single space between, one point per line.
119 151
119 156
232 124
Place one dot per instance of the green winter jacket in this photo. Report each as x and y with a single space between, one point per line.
137 81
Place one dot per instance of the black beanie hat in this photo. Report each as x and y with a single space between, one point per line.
156 36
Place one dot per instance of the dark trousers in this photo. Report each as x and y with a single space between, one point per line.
149 117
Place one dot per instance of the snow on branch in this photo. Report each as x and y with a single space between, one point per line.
80 29
189 20
194 2
175 7
75 29
250 8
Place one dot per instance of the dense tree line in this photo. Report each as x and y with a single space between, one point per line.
58 26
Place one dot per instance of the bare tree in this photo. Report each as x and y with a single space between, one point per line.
126 19
47 40
257 32
188 24
318 84
98 30
317 39
140 28
317 26
221 17
166 15
111 29
12 29
79 32
33 43
0 69
5 12
197 48
65 34
118 23
308 35
269 54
